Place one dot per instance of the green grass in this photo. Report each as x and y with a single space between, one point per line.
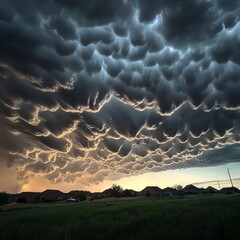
203 217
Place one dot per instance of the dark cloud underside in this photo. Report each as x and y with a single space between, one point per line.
91 90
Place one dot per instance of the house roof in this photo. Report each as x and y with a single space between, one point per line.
210 188
190 187
51 192
169 189
28 194
152 189
228 189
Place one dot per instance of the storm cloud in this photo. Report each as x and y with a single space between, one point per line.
94 90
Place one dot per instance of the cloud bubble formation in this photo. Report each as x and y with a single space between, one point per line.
101 89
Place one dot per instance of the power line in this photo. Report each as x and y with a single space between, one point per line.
230 177
216 182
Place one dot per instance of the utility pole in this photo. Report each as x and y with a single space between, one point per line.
219 185
230 177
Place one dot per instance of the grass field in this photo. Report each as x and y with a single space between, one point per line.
194 217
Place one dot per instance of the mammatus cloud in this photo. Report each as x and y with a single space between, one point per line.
94 90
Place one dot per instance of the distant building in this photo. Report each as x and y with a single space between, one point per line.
76 194
97 195
168 191
151 191
108 193
28 197
210 189
52 196
191 189
12 197
128 193
228 190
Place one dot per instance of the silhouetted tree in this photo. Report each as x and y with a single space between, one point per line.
179 188
82 196
116 190
3 198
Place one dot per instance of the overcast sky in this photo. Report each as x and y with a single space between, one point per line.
96 91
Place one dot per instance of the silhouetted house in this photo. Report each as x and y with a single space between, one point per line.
97 195
52 196
12 197
210 189
151 191
228 190
108 193
129 193
73 194
28 197
76 194
168 191
191 189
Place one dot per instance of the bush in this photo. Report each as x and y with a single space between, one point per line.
3 198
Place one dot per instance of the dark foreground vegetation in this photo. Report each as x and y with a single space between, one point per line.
193 217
